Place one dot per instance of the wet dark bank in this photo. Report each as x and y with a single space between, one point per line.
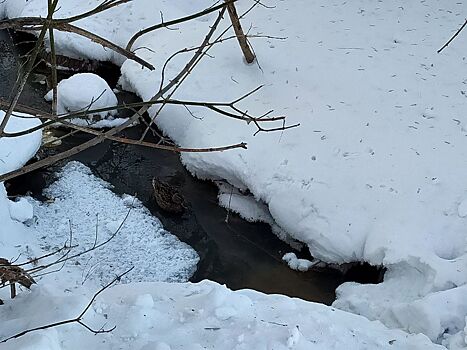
238 253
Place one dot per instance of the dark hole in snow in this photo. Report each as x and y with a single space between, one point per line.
364 273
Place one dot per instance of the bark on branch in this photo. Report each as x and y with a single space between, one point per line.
241 37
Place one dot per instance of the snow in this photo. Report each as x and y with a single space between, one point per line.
92 207
14 153
374 173
297 264
250 209
21 210
197 316
86 91
462 209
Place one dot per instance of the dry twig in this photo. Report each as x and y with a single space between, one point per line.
453 37
78 319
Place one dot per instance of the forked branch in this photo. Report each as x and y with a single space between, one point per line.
78 319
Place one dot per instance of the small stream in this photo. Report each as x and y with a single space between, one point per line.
238 253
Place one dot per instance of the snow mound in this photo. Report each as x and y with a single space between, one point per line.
16 151
415 297
86 91
81 200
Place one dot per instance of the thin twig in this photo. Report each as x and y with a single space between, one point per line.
30 63
452 38
78 319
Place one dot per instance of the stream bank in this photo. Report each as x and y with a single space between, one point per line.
238 253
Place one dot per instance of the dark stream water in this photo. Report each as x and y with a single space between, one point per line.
238 253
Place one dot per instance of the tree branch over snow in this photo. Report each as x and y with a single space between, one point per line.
78 319
33 24
242 39
98 139
453 37
228 109
176 21
11 272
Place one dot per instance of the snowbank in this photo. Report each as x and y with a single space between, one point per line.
14 153
415 298
165 316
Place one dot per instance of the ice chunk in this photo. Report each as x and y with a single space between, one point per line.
21 210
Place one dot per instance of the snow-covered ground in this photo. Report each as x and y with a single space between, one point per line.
374 173
164 316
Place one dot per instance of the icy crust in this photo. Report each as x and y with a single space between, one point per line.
87 203
198 316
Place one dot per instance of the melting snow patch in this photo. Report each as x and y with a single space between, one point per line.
81 200
298 264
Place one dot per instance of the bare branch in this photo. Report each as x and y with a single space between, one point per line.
98 139
453 37
78 319
176 21
29 66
